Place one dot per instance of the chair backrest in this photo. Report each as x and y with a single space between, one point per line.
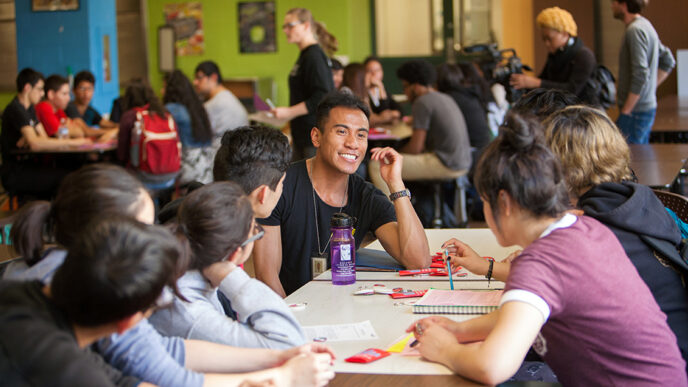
675 202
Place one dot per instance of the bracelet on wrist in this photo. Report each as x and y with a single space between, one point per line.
400 194
489 272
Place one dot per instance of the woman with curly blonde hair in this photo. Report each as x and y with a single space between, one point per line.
569 63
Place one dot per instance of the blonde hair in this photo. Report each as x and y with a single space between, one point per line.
591 148
326 40
557 19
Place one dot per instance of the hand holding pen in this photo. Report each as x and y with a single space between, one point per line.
463 255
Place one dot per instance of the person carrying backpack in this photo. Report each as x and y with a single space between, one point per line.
148 138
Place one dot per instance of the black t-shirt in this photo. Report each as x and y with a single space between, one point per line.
309 80
38 347
14 118
91 116
296 216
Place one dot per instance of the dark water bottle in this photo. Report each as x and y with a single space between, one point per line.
343 249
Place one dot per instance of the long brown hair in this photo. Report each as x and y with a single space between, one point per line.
327 41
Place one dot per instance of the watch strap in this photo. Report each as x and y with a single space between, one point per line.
399 194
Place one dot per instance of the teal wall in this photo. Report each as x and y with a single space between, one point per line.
348 20
70 39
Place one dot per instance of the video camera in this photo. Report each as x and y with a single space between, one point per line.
497 65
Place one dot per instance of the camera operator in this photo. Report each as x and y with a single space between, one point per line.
569 63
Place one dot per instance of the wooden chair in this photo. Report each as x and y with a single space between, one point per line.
675 202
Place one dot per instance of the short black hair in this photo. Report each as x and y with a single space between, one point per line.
209 68
215 219
118 267
336 64
417 71
252 156
55 82
27 75
541 103
336 99
634 6
449 77
84 76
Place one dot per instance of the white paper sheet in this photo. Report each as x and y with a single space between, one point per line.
341 332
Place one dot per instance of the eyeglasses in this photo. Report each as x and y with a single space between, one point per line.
291 25
258 233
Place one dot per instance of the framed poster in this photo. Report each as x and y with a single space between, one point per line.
54 5
187 21
257 27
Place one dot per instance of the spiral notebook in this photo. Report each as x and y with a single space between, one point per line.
437 301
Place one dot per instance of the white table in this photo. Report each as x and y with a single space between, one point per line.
328 304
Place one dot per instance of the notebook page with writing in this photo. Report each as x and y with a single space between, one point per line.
438 301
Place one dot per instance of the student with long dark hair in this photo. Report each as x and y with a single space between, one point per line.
572 293
104 191
450 81
217 223
195 132
381 102
356 80
139 98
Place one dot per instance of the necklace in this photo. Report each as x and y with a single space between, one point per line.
315 211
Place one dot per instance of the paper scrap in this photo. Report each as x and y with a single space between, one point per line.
399 345
341 332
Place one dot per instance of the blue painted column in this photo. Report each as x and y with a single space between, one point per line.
53 42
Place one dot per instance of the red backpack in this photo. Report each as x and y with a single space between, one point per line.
155 146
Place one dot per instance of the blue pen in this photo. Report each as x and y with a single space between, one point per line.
449 271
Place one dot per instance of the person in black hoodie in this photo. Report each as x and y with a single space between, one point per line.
569 63
596 160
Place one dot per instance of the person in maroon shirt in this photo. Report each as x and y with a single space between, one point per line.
572 293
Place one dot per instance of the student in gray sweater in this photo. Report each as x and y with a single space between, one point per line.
217 223
644 63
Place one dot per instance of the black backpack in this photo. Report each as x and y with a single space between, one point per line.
677 256
600 90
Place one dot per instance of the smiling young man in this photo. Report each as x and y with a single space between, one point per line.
297 233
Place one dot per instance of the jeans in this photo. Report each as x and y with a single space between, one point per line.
636 127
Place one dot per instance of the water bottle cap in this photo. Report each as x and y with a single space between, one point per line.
341 219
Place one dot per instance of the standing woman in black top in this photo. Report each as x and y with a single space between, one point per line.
310 78
569 63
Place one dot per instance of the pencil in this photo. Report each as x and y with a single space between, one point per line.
449 271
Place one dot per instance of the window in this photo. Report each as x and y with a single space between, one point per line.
406 28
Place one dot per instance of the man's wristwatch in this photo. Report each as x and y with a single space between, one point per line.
400 194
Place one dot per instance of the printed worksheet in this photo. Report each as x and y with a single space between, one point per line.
341 332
